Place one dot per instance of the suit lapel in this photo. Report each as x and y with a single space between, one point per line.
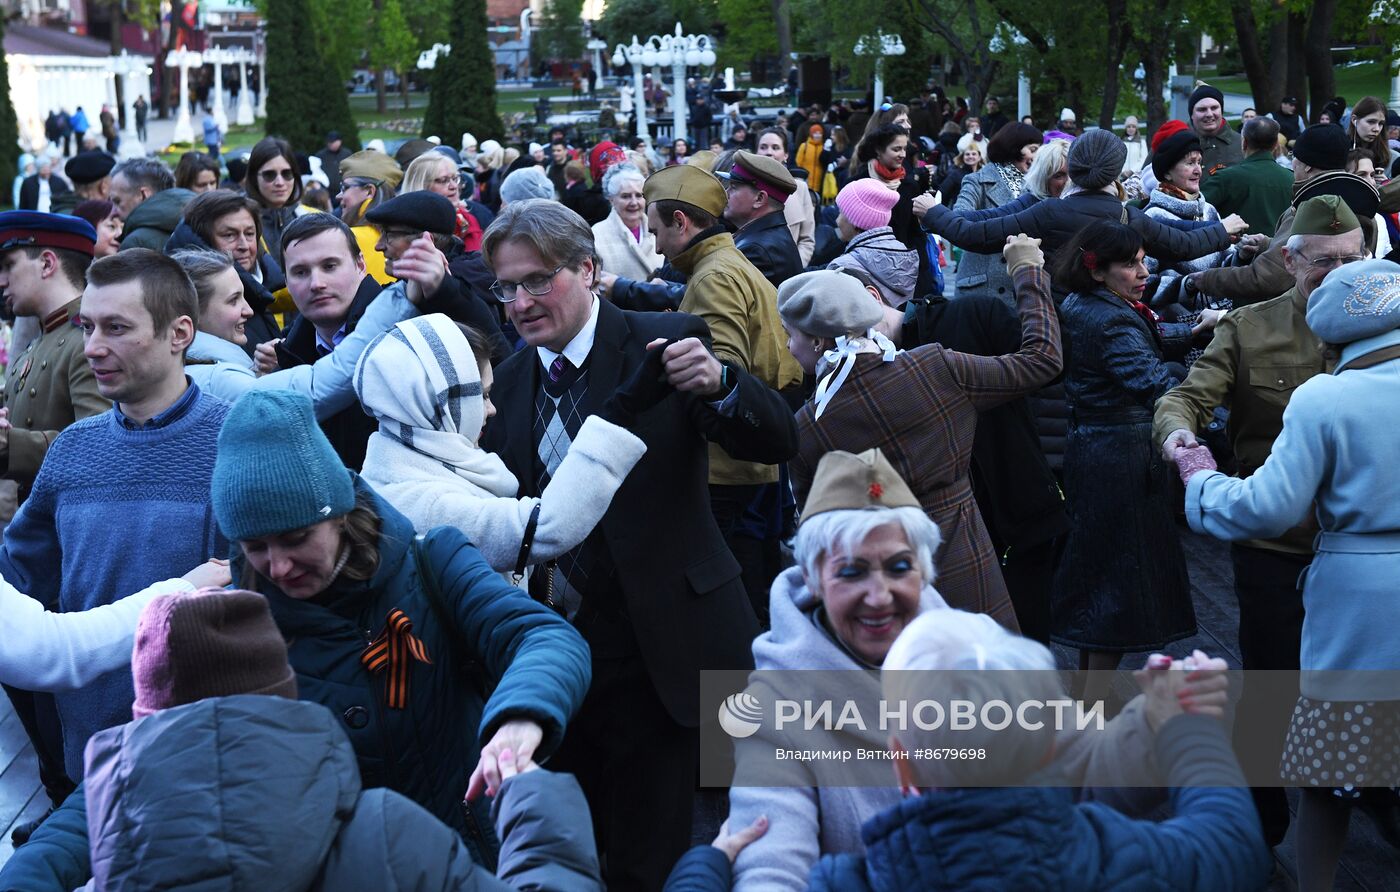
605 360
515 394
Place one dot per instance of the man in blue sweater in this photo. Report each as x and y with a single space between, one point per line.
122 498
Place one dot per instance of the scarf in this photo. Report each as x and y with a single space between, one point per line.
421 382
884 173
1178 202
1013 177
835 365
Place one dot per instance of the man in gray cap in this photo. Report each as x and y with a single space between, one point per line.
757 187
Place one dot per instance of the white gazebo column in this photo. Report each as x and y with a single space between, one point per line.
244 115
184 130
134 77
262 87
218 56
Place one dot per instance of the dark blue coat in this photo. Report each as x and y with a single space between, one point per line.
1056 221
532 663
1038 838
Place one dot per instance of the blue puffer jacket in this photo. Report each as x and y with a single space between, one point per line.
1039 838
523 661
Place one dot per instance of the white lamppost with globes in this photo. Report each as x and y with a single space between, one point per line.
880 46
679 50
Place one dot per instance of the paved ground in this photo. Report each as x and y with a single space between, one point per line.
1369 863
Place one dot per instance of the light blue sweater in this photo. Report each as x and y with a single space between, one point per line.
1337 449
112 511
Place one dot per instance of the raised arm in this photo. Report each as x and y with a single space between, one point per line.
577 497
988 234
991 380
1170 243
47 651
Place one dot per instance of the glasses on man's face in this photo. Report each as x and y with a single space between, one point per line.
272 176
402 234
1329 263
537 285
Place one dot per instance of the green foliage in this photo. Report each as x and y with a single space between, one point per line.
748 31
394 48
9 125
428 20
906 75
462 97
622 19
306 95
343 26
559 34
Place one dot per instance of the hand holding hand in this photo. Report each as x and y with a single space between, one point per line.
923 202
606 281
512 746
1022 251
1177 440
1192 461
213 573
690 366
1207 320
1251 245
731 844
265 357
1196 685
1234 224
422 267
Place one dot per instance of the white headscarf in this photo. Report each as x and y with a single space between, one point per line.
421 381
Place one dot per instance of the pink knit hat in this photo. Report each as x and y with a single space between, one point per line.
867 203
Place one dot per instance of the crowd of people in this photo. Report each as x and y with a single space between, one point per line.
371 517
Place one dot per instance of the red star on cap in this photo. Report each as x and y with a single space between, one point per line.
876 491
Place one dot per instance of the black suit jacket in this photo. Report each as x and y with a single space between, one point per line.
768 244
680 583
29 191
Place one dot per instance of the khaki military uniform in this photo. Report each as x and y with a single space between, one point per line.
51 386
1258 356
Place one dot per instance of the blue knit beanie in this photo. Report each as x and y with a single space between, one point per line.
276 471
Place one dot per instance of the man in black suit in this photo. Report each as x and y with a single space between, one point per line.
33 196
653 589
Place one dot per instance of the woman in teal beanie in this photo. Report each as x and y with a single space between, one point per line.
434 664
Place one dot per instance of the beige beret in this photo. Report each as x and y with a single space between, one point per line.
827 304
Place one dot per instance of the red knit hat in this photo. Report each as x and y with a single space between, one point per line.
1165 131
604 155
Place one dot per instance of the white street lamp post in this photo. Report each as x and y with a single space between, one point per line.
596 49
244 115
133 71
632 55
880 46
218 56
678 50
184 131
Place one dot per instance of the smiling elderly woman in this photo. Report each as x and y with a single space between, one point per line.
864 572
622 239
401 637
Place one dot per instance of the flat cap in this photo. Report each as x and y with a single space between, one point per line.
1356 301
846 481
762 173
89 167
371 165
419 211
687 183
827 304
31 229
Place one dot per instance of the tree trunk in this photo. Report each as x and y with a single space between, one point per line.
381 95
1279 62
1119 31
1317 53
1149 41
1297 82
115 48
403 88
1247 30
782 22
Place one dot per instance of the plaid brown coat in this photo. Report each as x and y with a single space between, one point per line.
921 411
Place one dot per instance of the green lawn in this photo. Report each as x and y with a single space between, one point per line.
1353 82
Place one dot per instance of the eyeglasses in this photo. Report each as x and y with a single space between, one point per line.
402 233
272 176
1331 262
447 181
537 285
357 183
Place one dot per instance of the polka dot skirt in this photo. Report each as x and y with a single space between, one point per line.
1343 745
